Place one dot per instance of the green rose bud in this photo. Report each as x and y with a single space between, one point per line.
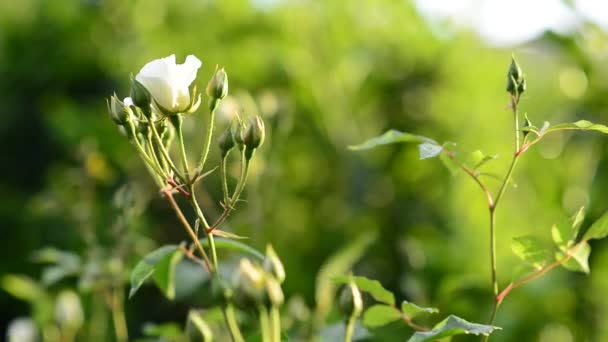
274 293
273 265
217 88
226 142
140 95
249 282
254 136
120 112
521 87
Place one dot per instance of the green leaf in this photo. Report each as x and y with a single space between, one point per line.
236 246
379 315
429 150
337 264
530 249
564 234
373 287
599 229
164 275
412 310
451 326
579 125
449 163
391 137
579 262
146 267
168 331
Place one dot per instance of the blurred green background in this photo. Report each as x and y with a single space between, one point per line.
323 75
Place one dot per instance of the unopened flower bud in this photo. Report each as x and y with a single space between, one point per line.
249 281
217 88
226 142
140 95
527 123
514 78
350 302
273 265
521 87
68 310
274 293
119 112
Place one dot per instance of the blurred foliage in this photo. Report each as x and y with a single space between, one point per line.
323 74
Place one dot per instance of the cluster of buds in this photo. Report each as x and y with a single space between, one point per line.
516 81
256 284
246 138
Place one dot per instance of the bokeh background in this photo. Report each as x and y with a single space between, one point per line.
324 75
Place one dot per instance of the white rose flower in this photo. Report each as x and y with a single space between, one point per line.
168 82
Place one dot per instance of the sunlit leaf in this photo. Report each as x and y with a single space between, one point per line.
412 310
379 315
373 287
564 233
233 245
164 275
451 326
530 249
579 125
429 150
146 267
579 261
391 137
599 229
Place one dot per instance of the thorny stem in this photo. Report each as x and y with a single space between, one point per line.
539 272
229 205
501 191
188 229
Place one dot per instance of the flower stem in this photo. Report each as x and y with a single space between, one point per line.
207 143
188 229
233 326
177 122
349 328
275 317
264 324
501 192
118 315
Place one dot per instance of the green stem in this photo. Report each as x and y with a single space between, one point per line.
233 326
144 155
118 315
224 180
207 143
189 229
275 317
164 152
177 122
203 220
264 324
350 328
501 192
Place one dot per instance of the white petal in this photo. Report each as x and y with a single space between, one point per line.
185 73
128 101
161 91
161 68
